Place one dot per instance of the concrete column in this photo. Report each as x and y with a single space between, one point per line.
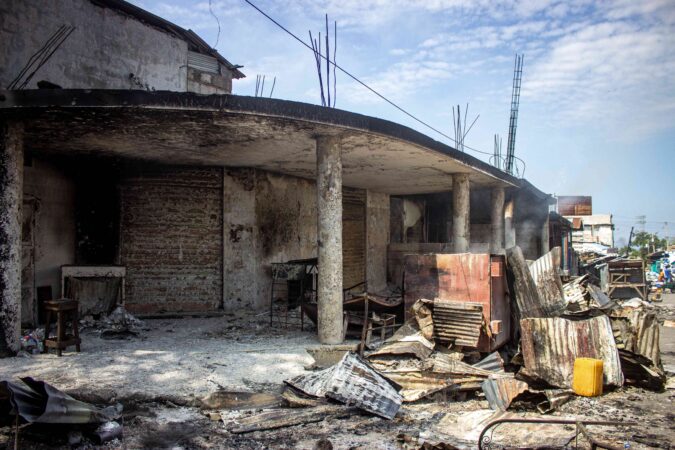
329 234
460 213
509 223
497 225
545 244
11 198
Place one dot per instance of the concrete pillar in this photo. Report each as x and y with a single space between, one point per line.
11 198
460 213
497 225
329 234
509 223
545 244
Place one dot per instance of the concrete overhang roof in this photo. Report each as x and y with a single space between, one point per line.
235 131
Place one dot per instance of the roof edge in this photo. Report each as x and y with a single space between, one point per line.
11 102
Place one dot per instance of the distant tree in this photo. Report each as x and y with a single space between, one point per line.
645 243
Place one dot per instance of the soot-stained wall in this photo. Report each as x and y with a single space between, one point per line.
49 196
171 238
267 218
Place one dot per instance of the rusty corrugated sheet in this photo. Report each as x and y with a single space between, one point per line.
493 362
457 323
353 236
352 381
637 331
551 345
546 276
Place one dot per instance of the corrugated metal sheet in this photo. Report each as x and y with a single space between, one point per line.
546 276
353 236
352 381
205 63
493 363
637 331
500 392
457 323
551 345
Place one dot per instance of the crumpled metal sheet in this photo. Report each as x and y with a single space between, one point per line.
637 331
422 313
352 381
500 392
39 402
551 345
529 301
443 363
546 277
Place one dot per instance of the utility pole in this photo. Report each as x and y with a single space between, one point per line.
630 236
642 221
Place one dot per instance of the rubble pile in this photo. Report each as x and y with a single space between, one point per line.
119 324
434 357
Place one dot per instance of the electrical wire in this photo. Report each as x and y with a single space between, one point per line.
353 77
218 22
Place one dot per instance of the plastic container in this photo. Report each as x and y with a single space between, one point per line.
587 378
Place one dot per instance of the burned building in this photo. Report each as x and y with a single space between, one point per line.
131 171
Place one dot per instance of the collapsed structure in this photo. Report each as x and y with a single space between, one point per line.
190 198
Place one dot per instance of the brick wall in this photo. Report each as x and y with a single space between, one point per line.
171 239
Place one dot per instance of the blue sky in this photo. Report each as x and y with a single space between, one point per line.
597 111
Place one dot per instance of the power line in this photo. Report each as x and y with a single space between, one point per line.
218 22
353 77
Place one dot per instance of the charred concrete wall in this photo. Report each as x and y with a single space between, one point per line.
266 218
171 238
102 53
49 197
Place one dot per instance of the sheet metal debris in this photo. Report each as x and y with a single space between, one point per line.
501 392
527 293
546 277
353 382
637 330
551 345
493 362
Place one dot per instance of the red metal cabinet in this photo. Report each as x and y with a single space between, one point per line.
463 277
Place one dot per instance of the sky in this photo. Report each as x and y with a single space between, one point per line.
597 107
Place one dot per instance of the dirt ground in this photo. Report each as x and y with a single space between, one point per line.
158 376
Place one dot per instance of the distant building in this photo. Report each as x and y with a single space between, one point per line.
588 230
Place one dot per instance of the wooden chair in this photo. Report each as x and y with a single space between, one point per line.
62 310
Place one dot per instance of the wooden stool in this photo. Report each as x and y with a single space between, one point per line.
62 308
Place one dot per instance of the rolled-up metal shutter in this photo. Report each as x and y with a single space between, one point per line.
353 236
